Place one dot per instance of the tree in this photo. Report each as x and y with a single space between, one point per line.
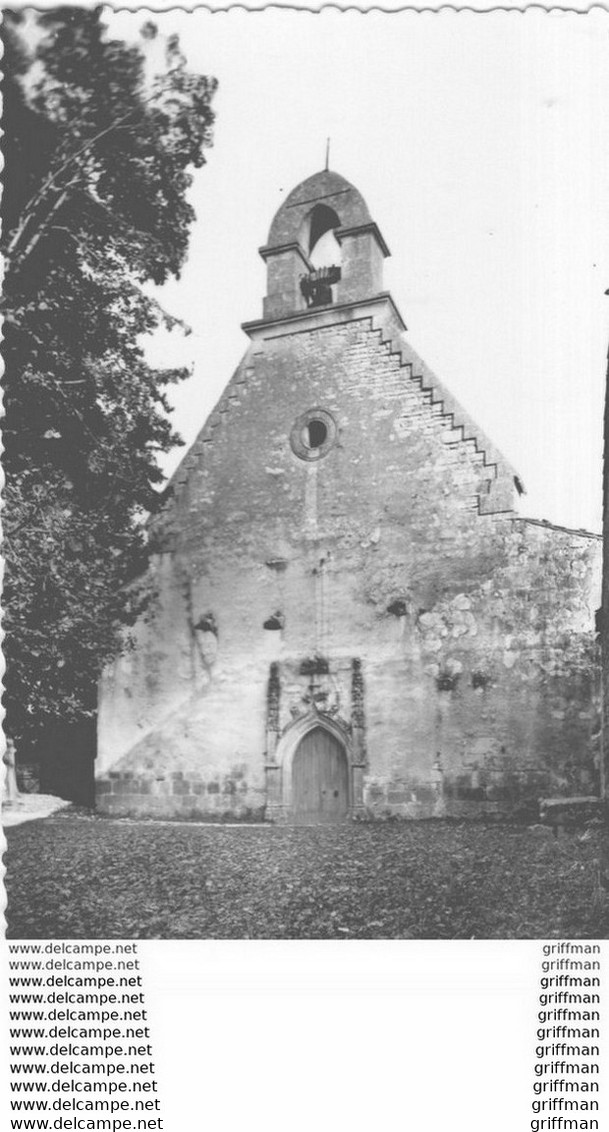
99 153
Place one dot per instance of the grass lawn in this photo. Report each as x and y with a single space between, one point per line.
76 877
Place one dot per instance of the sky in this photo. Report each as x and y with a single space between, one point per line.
480 142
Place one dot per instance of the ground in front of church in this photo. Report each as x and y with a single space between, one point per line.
74 876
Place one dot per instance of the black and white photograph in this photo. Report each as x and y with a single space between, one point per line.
306 319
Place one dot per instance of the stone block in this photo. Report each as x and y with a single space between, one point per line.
180 786
395 797
425 794
123 786
570 812
374 794
143 786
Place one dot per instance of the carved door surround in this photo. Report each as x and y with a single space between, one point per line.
282 745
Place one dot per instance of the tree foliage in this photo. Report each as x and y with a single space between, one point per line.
99 152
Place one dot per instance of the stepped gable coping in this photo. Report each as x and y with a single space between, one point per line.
337 314
452 407
548 526
340 313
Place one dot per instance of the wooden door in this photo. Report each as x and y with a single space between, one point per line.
320 779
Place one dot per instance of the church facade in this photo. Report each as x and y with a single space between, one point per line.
349 619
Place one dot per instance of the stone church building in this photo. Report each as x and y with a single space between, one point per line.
349 619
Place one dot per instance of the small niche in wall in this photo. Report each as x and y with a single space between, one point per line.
207 624
275 622
206 637
480 680
279 565
448 676
398 608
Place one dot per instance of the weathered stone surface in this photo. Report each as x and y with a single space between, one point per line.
447 642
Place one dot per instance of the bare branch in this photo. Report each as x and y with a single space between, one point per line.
50 181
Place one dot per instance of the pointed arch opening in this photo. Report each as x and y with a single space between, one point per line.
315 765
320 779
319 226
318 240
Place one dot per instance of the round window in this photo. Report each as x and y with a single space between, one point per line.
313 434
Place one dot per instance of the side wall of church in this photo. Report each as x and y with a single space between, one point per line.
471 633
500 679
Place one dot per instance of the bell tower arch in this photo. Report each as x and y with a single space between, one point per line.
323 248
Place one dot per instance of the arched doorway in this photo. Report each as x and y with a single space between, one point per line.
320 779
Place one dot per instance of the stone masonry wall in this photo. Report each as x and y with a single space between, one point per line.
504 679
474 630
